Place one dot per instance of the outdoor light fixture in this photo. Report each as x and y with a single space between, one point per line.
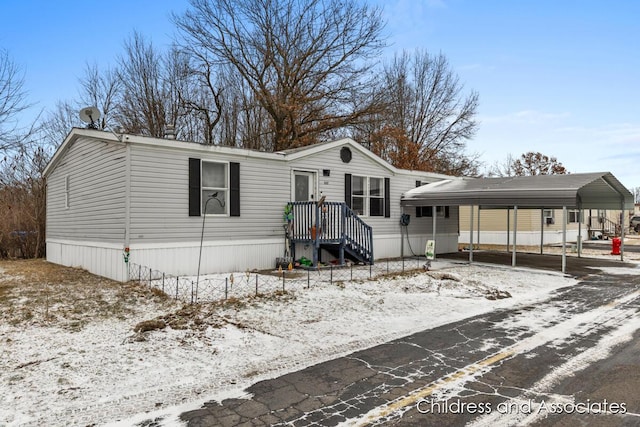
213 196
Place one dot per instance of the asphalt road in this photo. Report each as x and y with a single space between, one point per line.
570 360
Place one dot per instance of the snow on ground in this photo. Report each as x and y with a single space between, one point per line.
103 373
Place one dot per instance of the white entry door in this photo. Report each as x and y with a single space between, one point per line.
304 186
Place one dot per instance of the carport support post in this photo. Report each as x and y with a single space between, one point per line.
541 230
470 235
622 222
564 239
579 242
478 239
433 233
508 228
515 233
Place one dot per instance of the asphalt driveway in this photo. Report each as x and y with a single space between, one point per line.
574 348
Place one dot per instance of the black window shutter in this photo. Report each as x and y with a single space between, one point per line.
234 189
446 211
194 187
387 197
418 208
347 189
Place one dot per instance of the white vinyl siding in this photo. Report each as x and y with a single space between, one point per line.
99 188
332 187
160 196
86 193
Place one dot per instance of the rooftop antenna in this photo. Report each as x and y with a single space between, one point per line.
89 115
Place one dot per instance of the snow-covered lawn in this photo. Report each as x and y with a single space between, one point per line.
78 364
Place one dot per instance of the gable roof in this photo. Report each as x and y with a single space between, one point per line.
598 190
309 150
285 155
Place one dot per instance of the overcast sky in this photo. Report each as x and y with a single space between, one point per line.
559 77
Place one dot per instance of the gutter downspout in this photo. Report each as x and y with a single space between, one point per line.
127 205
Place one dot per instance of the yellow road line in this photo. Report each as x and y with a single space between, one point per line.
415 396
626 298
421 393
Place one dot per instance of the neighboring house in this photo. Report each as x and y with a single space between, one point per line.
108 192
492 228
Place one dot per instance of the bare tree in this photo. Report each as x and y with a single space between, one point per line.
195 80
243 122
502 169
22 202
12 102
636 194
427 119
100 88
144 104
56 124
301 60
528 164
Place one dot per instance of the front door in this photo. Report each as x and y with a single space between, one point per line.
304 186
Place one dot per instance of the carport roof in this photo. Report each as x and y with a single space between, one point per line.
598 190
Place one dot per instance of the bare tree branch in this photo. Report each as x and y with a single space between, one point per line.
12 102
528 164
426 114
301 60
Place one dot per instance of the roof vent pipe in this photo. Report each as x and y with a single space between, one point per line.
170 132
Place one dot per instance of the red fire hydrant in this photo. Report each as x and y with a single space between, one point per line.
615 246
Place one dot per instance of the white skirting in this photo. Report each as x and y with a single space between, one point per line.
523 238
103 259
181 259
390 246
217 257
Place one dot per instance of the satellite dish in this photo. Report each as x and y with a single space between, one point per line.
90 115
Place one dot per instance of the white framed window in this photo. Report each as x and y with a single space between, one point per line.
358 191
215 186
573 216
367 195
549 216
66 191
376 197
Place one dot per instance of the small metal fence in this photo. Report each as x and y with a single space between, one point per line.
238 285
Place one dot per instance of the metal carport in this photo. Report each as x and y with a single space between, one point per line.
598 190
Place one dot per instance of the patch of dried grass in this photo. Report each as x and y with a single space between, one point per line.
35 291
